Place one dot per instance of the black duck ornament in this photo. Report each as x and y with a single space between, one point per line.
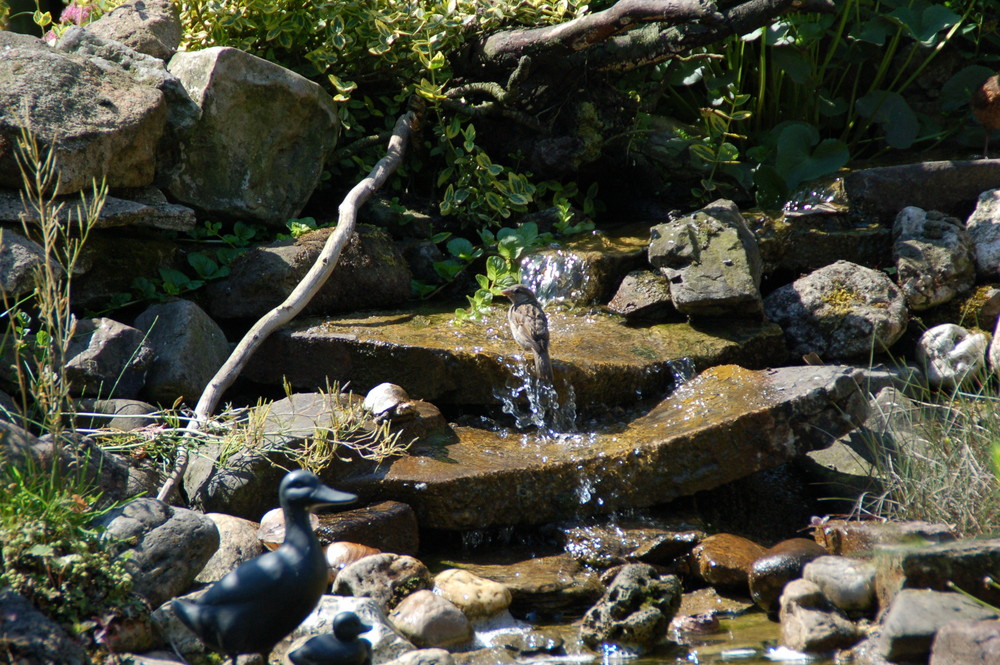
259 603
342 647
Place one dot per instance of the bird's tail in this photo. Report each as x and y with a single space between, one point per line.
543 368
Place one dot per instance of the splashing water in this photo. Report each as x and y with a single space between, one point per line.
557 276
828 198
534 404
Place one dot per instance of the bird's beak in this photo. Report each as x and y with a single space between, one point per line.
364 627
324 497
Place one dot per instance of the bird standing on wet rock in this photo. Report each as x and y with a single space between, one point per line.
986 108
530 328
255 606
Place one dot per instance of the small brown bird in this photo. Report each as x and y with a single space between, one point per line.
986 108
530 328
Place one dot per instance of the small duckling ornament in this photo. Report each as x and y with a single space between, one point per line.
342 647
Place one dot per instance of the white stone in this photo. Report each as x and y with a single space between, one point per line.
950 354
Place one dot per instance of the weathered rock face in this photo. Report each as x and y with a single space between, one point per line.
259 146
385 578
102 123
934 257
810 623
170 545
643 294
107 359
916 615
19 257
188 349
936 567
966 642
949 186
635 610
434 359
152 27
984 230
370 274
847 582
31 638
712 261
841 311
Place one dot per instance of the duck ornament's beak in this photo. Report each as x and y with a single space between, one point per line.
326 497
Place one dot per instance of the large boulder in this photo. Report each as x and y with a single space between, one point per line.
100 123
370 274
258 148
841 311
19 257
106 359
712 261
984 229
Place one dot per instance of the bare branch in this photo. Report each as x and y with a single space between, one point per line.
504 48
299 297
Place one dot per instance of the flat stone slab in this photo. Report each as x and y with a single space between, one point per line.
723 425
604 360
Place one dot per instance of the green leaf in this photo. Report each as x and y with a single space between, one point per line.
956 91
460 247
795 160
40 549
891 111
793 63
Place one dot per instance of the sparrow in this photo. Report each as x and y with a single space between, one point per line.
986 107
530 328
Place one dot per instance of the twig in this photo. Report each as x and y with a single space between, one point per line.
298 298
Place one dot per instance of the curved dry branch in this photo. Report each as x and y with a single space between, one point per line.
299 297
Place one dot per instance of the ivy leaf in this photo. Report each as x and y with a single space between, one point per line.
891 111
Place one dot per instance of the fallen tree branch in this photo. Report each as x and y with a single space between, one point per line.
503 49
298 298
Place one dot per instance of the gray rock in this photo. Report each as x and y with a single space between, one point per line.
19 256
862 538
107 359
635 611
809 622
28 637
117 414
385 578
964 563
984 230
643 294
114 213
370 274
915 617
188 349
236 161
166 546
428 620
101 123
841 311
949 186
933 254
238 543
967 642
950 355
847 582
152 27
711 260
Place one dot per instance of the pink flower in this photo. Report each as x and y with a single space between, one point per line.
75 14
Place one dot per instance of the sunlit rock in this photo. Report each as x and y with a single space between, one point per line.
809 622
603 361
148 26
724 560
848 582
984 229
916 615
712 261
477 597
643 294
840 311
933 256
950 354
385 578
635 611
429 620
